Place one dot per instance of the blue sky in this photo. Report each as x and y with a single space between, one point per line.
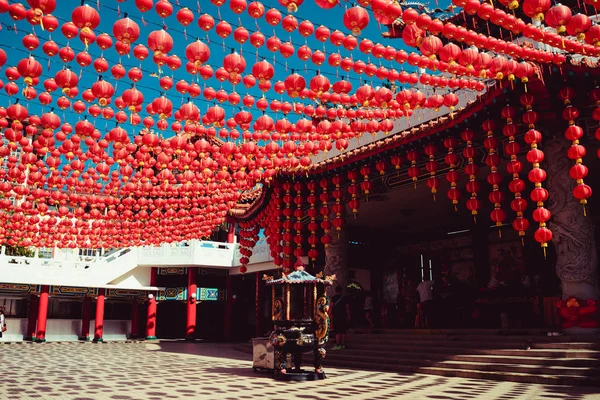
333 19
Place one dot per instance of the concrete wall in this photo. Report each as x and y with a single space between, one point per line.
65 329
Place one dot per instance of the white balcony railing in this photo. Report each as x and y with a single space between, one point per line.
68 268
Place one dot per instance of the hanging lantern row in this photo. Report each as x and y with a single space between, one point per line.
558 17
452 176
537 175
433 182
514 167
494 178
471 170
248 237
479 64
127 32
576 152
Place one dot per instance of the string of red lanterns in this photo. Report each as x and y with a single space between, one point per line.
514 167
537 175
576 152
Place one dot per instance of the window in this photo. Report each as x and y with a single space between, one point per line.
90 252
45 252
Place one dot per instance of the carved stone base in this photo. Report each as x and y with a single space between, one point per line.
574 233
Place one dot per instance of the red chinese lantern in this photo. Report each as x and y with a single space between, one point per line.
103 91
161 42
126 30
206 22
234 64
327 4
558 17
294 84
197 53
578 26
29 69
66 80
536 8
238 6
356 19
291 5
85 18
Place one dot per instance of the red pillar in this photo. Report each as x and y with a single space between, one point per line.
42 314
135 319
228 291
257 317
85 319
153 273
190 327
151 318
32 319
99 326
228 307
231 233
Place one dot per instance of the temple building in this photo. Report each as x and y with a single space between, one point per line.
468 170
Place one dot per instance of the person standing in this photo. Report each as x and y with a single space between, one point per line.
340 318
425 290
2 322
368 309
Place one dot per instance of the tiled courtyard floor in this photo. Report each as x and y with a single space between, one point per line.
171 370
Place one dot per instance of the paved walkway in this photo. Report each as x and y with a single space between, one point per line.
172 370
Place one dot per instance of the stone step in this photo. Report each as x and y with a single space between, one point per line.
519 366
566 362
567 345
444 352
472 374
393 355
456 348
440 342
430 332
513 377
479 365
492 343
393 338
